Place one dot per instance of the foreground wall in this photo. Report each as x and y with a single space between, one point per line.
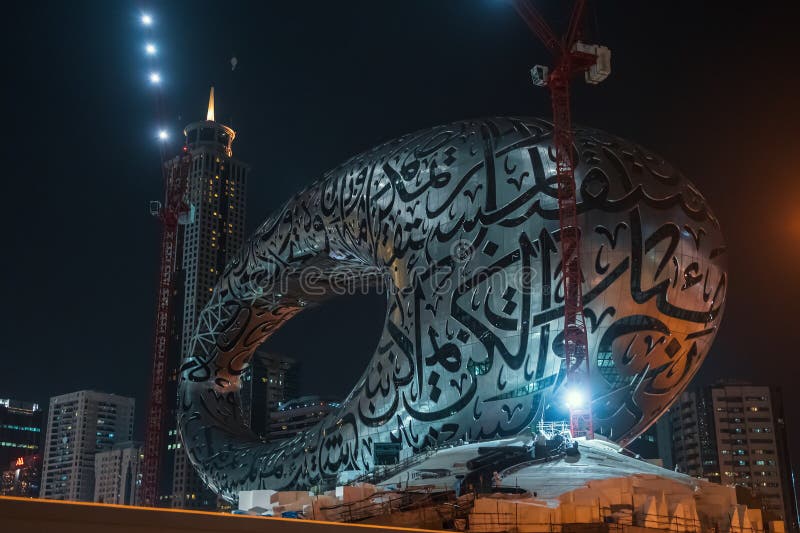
22 515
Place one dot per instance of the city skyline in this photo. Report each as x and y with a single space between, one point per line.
130 270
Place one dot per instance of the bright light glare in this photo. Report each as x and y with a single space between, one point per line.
150 48
163 135
575 398
155 77
147 19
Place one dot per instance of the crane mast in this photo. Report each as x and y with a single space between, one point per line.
170 214
570 58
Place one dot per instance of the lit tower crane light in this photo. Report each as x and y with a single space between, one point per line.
570 57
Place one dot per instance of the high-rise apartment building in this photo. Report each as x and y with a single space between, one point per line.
694 443
79 425
270 381
118 474
735 434
299 415
208 240
20 430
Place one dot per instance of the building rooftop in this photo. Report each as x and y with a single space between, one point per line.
19 405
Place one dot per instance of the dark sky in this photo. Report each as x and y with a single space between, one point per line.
711 87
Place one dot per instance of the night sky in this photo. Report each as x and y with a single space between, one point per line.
712 88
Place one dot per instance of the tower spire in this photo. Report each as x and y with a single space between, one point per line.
210 114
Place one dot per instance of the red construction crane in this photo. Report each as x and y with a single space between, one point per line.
171 214
570 57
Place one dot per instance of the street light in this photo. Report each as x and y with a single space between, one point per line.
147 20
163 135
155 78
150 48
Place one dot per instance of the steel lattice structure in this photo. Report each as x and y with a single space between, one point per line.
568 63
175 181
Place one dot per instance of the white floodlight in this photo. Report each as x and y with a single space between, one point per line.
575 398
155 78
163 135
147 20
150 48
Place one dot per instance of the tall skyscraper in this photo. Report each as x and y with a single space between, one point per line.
694 443
79 425
208 239
20 430
735 434
270 381
118 474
